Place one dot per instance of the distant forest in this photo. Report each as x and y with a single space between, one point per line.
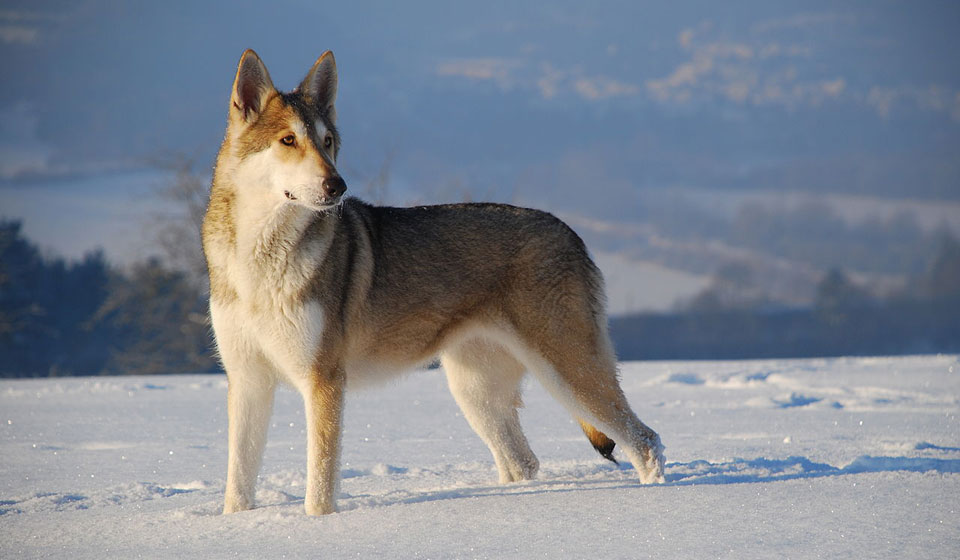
89 317
727 321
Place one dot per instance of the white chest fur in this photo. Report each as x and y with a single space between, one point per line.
269 325
279 340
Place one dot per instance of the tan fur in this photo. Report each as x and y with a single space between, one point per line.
320 296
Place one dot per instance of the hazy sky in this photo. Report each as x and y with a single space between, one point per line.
574 106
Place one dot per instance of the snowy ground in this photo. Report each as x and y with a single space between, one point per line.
848 458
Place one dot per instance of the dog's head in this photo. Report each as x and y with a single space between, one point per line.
284 145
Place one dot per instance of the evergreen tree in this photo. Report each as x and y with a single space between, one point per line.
158 323
45 309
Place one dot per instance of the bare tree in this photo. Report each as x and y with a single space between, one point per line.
177 224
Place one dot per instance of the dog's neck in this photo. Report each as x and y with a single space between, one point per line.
267 231
276 246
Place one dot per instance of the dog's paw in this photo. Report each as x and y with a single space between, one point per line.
320 509
651 470
234 505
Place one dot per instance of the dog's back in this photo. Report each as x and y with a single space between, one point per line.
443 270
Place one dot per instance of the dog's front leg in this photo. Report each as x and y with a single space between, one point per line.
249 404
323 399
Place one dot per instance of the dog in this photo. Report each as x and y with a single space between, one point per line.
319 291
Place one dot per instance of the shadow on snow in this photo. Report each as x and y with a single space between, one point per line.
793 468
737 471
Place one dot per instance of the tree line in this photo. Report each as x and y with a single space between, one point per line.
88 317
728 320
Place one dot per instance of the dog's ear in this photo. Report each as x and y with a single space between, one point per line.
250 88
320 85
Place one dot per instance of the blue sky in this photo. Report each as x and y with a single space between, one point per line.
100 85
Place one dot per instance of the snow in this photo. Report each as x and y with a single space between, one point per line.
765 459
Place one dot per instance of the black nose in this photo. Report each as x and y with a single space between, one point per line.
334 186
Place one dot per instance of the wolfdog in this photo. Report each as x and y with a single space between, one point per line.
320 291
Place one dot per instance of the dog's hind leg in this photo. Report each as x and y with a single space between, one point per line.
590 389
570 353
485 381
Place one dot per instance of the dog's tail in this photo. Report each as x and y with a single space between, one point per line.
600 441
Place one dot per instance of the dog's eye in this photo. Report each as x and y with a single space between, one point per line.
328 142
288 140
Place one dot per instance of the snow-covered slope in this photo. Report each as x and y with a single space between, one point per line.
856 458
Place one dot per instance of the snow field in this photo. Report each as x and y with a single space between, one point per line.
788 459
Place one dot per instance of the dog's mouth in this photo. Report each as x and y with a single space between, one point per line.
325 204
322 204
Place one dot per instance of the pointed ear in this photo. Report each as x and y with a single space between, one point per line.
320 85
250 88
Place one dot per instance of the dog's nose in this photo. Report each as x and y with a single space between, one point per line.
334 186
